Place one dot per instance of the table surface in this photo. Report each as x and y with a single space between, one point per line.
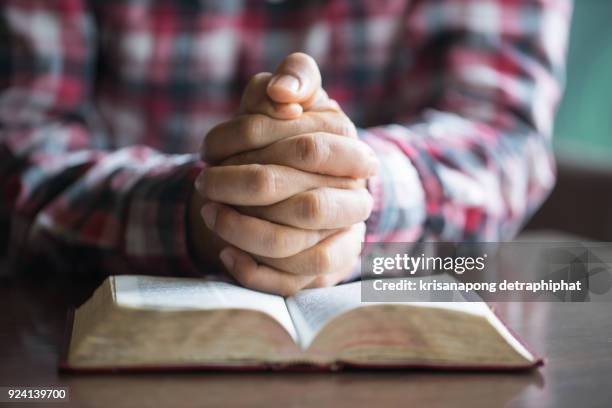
574 338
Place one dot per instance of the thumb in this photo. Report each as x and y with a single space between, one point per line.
296 80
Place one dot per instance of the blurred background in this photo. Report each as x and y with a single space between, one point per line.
584 123
582 200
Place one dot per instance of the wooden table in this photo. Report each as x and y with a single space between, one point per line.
576 340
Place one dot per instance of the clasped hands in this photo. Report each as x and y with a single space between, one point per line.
283 199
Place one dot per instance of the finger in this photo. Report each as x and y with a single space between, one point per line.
255 99
252 275
256 184
297 79
250 132
322 153
321 208
258 236
325 281
319 102
327 257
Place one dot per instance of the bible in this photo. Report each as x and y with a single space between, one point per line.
156 323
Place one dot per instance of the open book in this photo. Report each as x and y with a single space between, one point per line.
143 322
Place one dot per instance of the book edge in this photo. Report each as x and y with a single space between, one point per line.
538 359
64 367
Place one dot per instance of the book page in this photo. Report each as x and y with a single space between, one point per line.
311 309
165 293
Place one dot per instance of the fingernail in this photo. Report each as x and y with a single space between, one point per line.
209 213
227 259
287 81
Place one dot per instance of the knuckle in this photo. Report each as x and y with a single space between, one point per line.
309 149
263 181
278 243
251 128
322 260
311 209
272 244
346 127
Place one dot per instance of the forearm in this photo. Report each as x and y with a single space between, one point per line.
474 121
446 178
96 212
71 204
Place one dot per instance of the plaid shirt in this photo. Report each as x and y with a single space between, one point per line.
103 104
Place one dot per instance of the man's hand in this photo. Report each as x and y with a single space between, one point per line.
293 170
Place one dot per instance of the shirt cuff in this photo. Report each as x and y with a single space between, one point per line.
399 210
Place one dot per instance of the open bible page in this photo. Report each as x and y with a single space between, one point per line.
161 293
311 309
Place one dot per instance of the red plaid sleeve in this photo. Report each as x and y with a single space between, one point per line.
463 93
468 153
71 202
